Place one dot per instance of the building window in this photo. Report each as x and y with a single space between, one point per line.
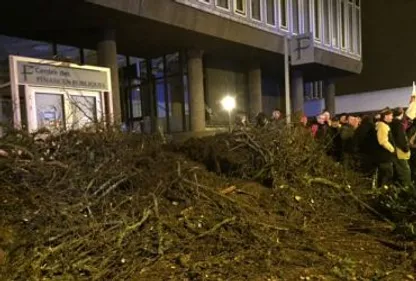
317 19
225 4
351 32
295 16
358 27
343 26
271 12
334 23
256 9
283 12
240 6
306 10
205 1
327 21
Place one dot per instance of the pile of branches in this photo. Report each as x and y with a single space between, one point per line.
113 206
267 155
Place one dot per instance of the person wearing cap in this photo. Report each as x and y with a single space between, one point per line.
401 162
385 149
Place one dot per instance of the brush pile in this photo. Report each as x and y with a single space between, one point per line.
115 206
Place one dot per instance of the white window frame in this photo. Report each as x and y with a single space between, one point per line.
338 26
302 9
343 4
317 39
350 33
326 31
205 2
239 12
222 8
274 13
358 29
300 17
287 26
261 11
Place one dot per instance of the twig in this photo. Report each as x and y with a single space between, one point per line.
104 185
217 226
159 226
352 195
130 228
112 187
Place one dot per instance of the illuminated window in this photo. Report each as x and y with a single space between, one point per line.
271 12
283 11
256 9
225 4
240 6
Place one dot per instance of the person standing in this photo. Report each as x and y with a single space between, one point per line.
385 150
401 162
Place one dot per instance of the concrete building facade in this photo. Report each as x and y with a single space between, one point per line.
173 59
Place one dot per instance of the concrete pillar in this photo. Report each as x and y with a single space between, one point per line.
254 90
297 92
107 57
196 90
329 96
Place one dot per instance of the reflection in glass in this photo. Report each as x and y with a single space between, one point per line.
69 53
157 67
83 111
24 47
172 64
90 57
160 95
136 103
49 109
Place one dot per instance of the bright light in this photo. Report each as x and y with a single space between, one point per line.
228 103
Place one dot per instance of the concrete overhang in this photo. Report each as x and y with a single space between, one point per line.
150 28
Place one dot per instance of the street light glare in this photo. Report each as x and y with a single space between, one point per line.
228 103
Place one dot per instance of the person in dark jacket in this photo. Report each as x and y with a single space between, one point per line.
347 132
335 142
365 142
401 161
411 134
385 149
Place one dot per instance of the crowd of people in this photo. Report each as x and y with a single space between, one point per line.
381 144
